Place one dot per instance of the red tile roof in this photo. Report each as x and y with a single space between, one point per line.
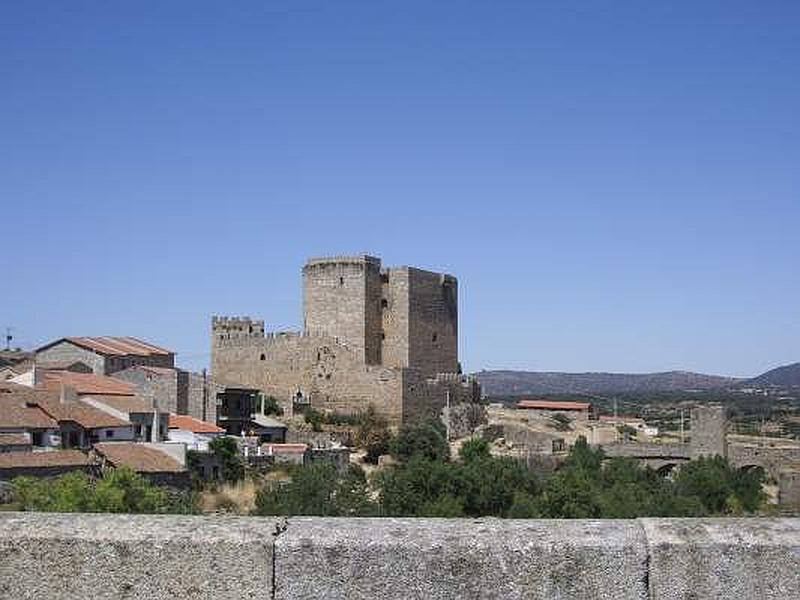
54 458
86 383
188 423
84 415
139 457
19 408
548 405
114 346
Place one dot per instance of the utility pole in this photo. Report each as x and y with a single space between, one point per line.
205 395
447 404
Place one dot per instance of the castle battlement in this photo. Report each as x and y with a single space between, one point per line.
369 336
360 259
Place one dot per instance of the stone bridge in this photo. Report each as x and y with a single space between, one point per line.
73 557
661 457
780 459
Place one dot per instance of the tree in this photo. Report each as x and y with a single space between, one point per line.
719 488
445 506
474 449
318 489
270 406
71 492
125 491
226 448
119 490
314 418
405 490
426 440
523 507
373 435
570 494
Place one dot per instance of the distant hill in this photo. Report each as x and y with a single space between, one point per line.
788 376
514 383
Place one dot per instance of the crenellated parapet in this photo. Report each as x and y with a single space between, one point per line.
228 328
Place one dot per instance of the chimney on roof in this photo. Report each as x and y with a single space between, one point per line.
68 394
156 424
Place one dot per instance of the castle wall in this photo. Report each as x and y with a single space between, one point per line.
328 373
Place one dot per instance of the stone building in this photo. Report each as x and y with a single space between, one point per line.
177 391
371 336
101 355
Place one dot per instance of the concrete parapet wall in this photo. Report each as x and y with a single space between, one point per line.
124 556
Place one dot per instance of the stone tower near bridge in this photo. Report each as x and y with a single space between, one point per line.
385 337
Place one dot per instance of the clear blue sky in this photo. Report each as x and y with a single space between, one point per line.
616 184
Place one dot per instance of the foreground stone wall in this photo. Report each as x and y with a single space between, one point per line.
124 556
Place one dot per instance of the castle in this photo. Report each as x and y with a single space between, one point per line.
371 336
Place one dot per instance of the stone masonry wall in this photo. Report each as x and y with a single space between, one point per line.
338 300
394 303
65 352
433 322
156 557
327 372
709 428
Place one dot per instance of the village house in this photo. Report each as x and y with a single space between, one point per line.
196 434
82 425
43 464
161 464
20 415
16 442
580 411
150 424
102 355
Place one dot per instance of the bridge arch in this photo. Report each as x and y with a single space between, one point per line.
667 470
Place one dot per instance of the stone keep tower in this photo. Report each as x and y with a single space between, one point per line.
709 427
399 317
342 299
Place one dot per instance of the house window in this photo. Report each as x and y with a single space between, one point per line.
109 433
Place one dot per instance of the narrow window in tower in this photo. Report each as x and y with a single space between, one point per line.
384 303
435 336
263 357
341 280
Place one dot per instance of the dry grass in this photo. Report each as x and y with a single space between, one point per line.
238 498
